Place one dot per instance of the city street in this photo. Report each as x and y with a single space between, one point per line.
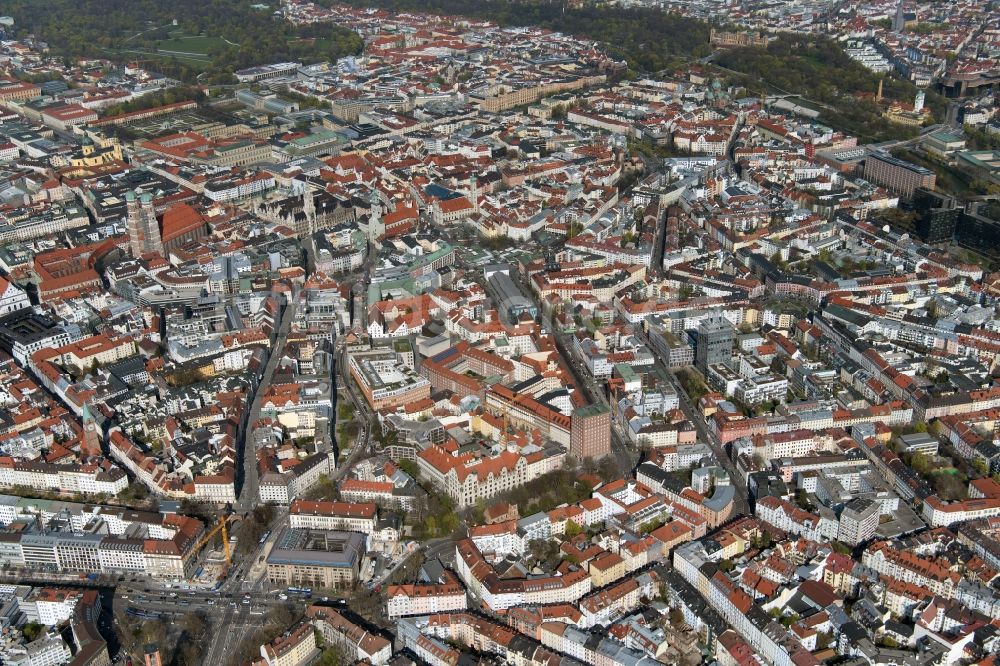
704 433
250 487
361 412
625 455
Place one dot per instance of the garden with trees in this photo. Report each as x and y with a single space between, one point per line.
231 33
818 69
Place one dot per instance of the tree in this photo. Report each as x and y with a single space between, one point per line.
654 524
249 648
538 548
200 510
195 624
920 463
324 490
280 618
135 491
840 548
984 187
820 70
449 522
645 37
153 631
32 631
410 467
545 553
981 466
330 656
153 100
608 470
117 29
692 383
194 628
253 527
897 218
979 139
949 486
572 530
789 620
762 541
478 512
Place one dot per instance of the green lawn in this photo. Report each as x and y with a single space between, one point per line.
198 62
195 62
191 46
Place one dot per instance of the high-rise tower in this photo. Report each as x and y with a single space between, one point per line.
899 20
143 228
90 445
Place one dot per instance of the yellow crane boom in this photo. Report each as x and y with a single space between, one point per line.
221 526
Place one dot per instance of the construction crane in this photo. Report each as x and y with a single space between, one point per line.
221 526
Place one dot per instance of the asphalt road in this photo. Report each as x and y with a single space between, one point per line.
625 455
443 549
704 433
249 491
361 412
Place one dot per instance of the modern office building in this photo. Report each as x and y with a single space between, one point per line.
977 230
715 342
897 175
590 432
937 215
858 521
386 382
316 558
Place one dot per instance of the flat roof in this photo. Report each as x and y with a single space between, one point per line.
895 161
325 548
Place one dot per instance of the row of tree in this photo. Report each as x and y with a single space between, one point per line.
157 99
